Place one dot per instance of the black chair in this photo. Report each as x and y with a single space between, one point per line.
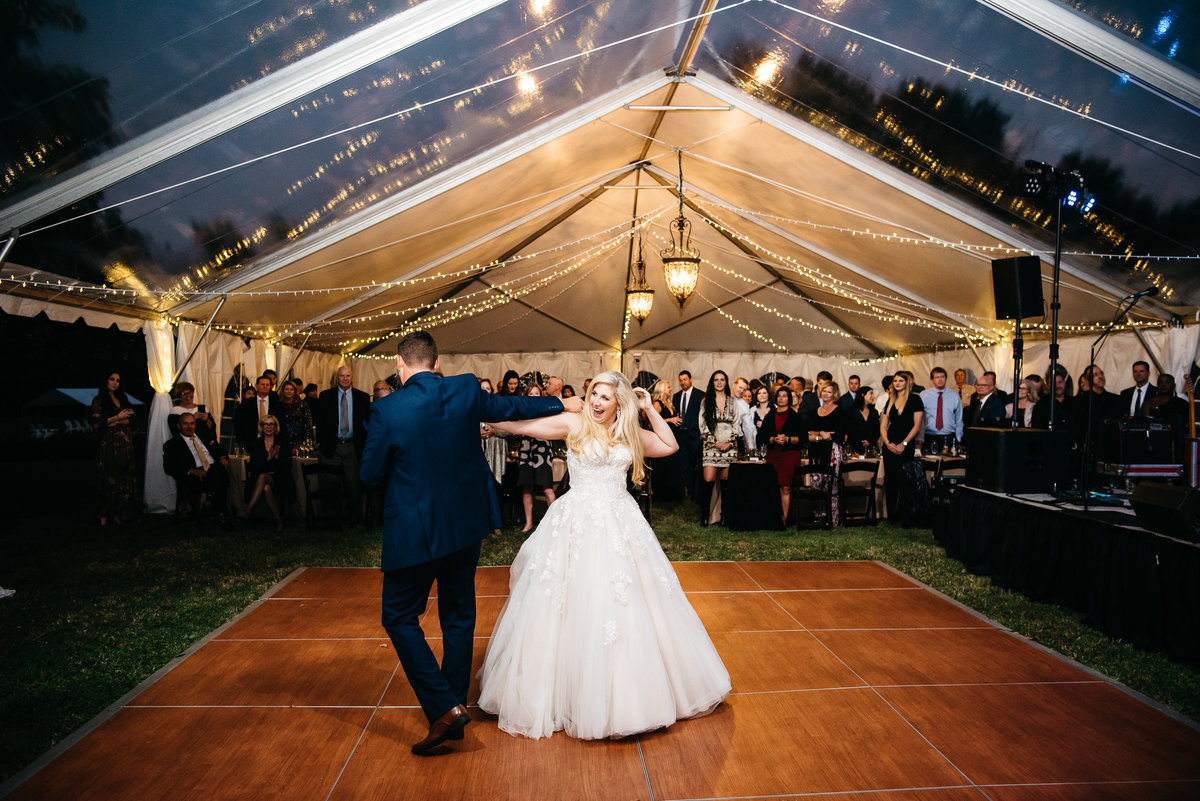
815 498
858 494
323 484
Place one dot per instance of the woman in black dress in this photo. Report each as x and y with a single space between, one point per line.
827 428
666 472
534 467
783 433
864 422
116 471
269 472
899 425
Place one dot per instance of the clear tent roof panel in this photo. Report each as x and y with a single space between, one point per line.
402 120
1171 29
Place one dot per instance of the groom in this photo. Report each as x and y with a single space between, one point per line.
423 442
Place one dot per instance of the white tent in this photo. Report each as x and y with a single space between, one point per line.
318 183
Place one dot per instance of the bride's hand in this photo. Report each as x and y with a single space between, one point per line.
644 404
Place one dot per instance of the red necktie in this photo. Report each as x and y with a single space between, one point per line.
937 423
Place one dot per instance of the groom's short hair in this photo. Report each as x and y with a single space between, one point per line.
418 349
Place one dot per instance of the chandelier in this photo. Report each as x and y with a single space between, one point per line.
638 295
681 263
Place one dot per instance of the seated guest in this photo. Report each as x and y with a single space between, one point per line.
827 429
269 472
783 433
943 413
185 394
263 402
864 421
1027 398
295 417
987 407
198 468
1063 416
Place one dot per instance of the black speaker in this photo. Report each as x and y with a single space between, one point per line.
1023 460
1017 285
1167 509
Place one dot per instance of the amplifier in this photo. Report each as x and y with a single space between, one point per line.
1136 441
1023 460
1174 511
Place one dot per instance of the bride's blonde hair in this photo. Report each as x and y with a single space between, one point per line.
625 428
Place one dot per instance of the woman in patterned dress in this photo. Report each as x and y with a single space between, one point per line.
717 437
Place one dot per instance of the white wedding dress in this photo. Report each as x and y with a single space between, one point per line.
597 638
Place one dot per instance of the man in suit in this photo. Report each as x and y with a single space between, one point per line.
245 419
198 467
688 401
341 425
1133 399
987 407
423 444
848 397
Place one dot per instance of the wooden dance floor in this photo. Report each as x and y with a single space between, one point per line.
851 681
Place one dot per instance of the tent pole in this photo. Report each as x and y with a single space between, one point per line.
283 373
1146 347
203 333
12 240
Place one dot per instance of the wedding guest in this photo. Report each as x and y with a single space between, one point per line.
762 407
899 426
534 468
853 383
185 394
783 433
1064 417
198 468
1097 407
886 388
864 418
1133 399
719 421
495 443
311 393
666 471
342 432
746 430
966 390
510 384
827 428
554 387
944 420
263 402
381 389
269 471
568 391
295 418
987 407
112 415
687 402
1169 408
1027 398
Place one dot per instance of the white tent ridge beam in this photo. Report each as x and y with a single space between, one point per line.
853 267
426 190
896 179
220 116
1083 35
587 191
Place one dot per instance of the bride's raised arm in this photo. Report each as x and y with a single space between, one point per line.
556 427
660 441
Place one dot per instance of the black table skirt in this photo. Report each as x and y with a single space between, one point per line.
1130 583
751 498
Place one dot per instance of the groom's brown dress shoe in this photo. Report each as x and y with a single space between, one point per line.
442 729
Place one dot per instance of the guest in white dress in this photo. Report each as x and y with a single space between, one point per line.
597 638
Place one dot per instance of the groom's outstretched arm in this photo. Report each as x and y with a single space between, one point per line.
510 407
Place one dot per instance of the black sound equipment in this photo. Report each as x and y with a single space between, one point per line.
1017 285
1167 509
1137 440
1025 460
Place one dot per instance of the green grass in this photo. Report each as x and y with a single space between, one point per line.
99 610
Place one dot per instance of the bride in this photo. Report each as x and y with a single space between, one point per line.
597 638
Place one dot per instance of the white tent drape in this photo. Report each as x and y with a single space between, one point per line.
159 492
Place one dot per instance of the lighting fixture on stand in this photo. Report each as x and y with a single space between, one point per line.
638 295
681 263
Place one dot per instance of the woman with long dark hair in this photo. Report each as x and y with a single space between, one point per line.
718 416
116 470
864 420
783 433
510 384
901 421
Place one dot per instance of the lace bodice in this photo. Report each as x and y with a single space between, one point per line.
598 470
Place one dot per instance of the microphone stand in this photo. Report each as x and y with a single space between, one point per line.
1122 311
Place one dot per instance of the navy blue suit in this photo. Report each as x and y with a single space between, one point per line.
423 445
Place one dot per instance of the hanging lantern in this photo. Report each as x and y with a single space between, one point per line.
638 295
681 263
